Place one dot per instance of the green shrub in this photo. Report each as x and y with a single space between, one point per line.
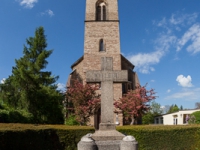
71 121
148 118
195 118
4 116
15 116
20 116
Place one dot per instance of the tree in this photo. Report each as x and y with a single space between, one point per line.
135 103
32 88
197 105
194 118
85 101
166 108
9 93
155 110
173 108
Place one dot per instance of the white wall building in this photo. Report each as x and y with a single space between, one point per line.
176 118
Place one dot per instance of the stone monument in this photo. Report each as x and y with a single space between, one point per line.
107 137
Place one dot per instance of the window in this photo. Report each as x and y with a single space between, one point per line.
101 11
101 45
175 119
157 120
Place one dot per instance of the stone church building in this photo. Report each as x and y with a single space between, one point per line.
102 39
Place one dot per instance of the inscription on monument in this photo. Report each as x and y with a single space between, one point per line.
99 76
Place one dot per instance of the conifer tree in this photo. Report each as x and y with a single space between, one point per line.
173 108
35 86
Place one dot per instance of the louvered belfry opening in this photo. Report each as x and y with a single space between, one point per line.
101 11
98 13
104 12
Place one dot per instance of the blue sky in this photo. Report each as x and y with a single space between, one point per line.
160 37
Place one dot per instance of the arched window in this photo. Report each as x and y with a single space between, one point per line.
101 11
101 45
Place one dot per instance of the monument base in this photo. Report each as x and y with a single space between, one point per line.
103 135
107 131
108 145
127 143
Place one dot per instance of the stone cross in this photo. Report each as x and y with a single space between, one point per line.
106 76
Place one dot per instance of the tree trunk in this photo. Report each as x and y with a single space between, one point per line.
132 120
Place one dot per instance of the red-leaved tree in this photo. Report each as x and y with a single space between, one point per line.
135 103
85 100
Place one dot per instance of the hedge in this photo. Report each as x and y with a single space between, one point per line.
41 137
62 137
153 137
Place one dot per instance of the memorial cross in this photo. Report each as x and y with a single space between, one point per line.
106 76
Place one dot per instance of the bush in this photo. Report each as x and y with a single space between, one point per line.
71 121
195 118
148 118
4 116
15 116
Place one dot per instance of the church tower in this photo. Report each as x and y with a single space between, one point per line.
102 33
102 39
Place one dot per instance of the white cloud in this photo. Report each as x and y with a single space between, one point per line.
27 3
48 12
144 60
188 95
3 81
61 87
168 91
184 81
165 41
162 23
193 35
181 19
177 22
177 19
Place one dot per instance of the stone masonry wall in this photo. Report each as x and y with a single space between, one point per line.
108 31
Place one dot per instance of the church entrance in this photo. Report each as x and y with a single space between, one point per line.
97 119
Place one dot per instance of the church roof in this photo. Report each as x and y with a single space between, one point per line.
123 58
77 62
127 61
